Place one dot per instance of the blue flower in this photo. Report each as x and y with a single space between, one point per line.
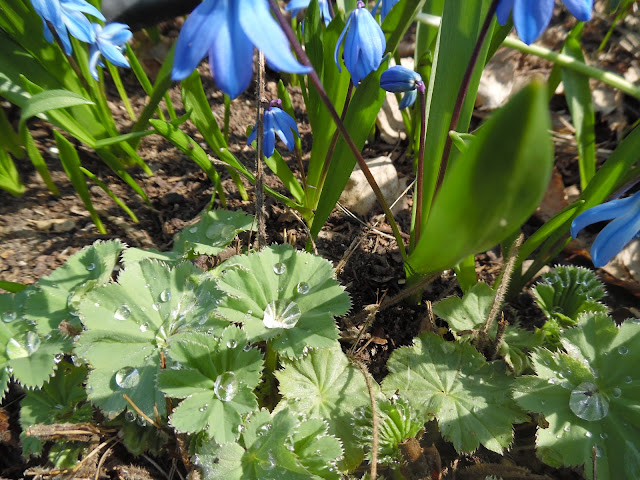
278 121
295 6
401 79
228 30
66 17
531 17
364 44
109 42
613 238
387 5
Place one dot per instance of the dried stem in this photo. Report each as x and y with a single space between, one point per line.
313 76
374 413
140 412
261 237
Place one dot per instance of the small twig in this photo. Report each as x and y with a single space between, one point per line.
507 273
502 328
101 462
372 310
429 321
261 236
306 229
140 412
93 452
374 413
152 462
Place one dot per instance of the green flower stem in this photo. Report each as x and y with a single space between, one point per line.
227 117
462 94
313 76
608 78
420 171
117 81
334 140
563 60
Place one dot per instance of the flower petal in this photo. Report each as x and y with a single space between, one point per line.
399 79
531 17
408 99
231 58
79 26
196 37
336 52
602 212
94 56
615 236
116 33
269 136
265 33
581 9
82 6
284 126
504 10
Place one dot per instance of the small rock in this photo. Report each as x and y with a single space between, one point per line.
358 195
57 225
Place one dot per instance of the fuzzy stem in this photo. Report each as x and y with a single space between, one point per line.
302 57
462 93
373 474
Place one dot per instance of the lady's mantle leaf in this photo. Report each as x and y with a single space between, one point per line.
217 377
128 325
24 352
590 397
285 296
91 266
469 312
325 385
273 447
453 382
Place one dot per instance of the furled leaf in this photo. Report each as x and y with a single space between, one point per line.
128 326
325 385
453 382
216 376
272 447
589 396
91 266
284 296
469 312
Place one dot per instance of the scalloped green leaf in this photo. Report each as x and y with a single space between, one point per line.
324 385
61 400
91 266
285 296
213 232
272 447
129 323
216 376
590 396
453 382
469 312
24 352
135 255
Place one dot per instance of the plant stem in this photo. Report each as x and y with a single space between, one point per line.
227 117
334 140
302 57
261 237
462 93
417 224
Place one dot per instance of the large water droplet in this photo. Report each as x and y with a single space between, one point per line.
144 327
616 392
226 386
127 377
193 229
91 267
165 295
588 403
232 343
279 268
622 350
303 288
281 314
8 317
33 342
628 379
122 312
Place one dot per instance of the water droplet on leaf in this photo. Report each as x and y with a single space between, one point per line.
232 343
8 317
165 295
279 268
91 267
616 392
144 327
226 386
281 314
622 350
127 377
122 312
303 288
588 403
628 379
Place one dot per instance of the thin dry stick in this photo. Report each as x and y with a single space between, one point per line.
140 412
372 310
158 467
504 282
261 237
93 452
374 424
101 462
306 229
